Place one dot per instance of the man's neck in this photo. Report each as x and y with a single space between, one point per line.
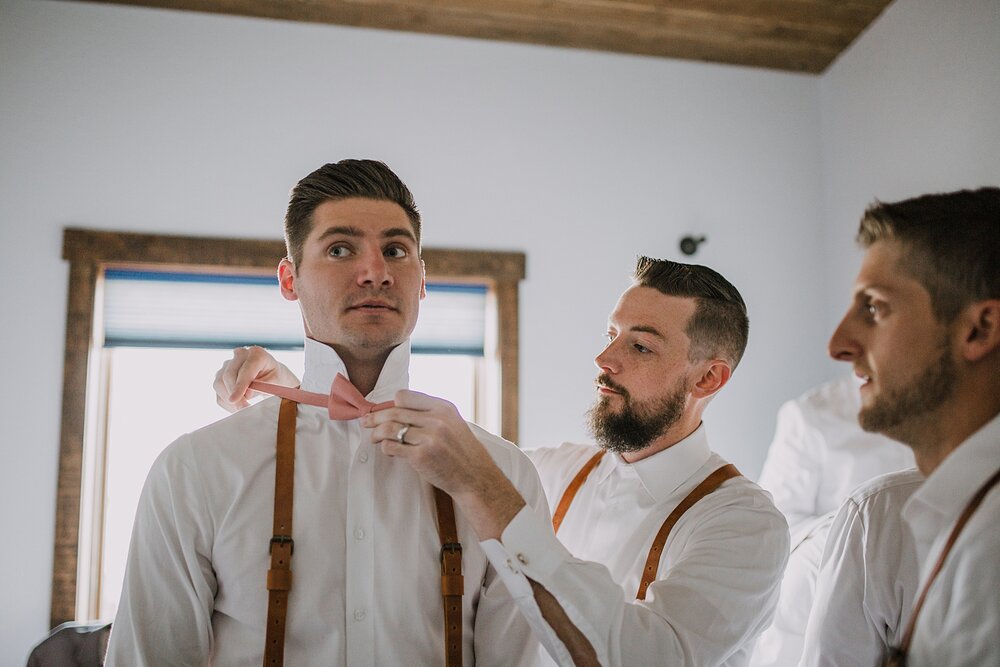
944 430
363 369
680 430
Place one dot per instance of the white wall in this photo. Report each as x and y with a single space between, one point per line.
911 108
157 121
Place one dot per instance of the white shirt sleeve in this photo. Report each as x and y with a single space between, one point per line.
517 584
164 616
506 632
719 593
781 644
793 468
841 630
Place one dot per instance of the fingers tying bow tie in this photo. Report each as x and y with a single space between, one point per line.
343 403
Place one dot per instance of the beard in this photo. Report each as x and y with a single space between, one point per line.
637 423
899 411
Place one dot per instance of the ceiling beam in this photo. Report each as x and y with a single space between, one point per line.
792 35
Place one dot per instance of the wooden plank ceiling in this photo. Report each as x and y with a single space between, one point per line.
792 35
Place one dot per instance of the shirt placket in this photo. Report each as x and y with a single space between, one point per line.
360 575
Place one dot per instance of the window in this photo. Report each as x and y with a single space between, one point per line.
130 311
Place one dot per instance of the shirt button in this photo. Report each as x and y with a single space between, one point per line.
363 457
523 559
359 533
359 614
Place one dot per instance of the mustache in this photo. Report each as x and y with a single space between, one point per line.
605 381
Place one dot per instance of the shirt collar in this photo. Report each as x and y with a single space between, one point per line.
322 363
664 472
963 471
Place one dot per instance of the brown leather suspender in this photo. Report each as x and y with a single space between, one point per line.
452 582
709 484
279 576
897 655
574 486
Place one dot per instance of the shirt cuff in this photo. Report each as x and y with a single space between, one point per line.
528 548
514 564
532 547
508 570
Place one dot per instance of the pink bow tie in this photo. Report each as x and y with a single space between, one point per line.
344 402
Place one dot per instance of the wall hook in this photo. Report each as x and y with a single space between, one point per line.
689 244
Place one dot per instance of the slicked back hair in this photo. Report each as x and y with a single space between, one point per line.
719 327
364 179
951 244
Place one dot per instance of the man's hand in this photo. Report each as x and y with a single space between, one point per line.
442 449
232 381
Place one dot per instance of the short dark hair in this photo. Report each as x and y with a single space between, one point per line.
365 179
951 242
719 327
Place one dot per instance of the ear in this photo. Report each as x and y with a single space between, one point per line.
286 279
980 329
423 280
713 378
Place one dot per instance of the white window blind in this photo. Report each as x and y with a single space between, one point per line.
201 310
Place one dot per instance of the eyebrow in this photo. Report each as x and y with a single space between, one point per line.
873 289
348 230
649 330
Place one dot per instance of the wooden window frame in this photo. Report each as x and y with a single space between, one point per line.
90 251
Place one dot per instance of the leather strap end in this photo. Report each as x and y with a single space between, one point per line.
279 580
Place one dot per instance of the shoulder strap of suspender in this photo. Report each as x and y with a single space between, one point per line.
452 581
574 486
897 655
279 577
709 484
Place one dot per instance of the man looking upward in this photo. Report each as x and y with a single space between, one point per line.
674 339
367 586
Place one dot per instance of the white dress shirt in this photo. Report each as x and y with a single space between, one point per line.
820 454
960 621
366 568
868 578
781 644
718 578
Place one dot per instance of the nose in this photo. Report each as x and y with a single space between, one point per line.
373 270
607 360
844 345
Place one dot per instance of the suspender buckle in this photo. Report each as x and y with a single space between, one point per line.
282 539
451 548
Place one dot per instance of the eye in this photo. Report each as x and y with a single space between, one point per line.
639 347
339 251
396 252
873 310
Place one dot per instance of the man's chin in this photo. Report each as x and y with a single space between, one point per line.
375 339
603 409
879 418
867 422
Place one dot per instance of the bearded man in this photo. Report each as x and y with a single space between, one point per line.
632 578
